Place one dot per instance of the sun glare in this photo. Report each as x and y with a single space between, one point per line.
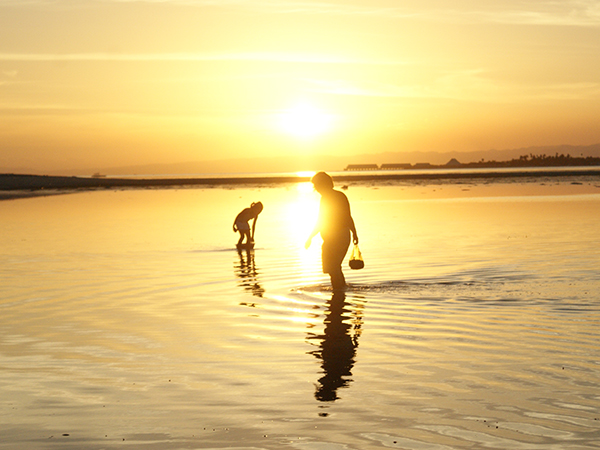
306 173
305 121
300 217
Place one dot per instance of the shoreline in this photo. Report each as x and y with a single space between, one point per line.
15 186
24 181
17 194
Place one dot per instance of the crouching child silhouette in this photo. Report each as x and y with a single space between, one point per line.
241 224
335 224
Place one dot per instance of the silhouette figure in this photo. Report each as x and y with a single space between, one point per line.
335 224
241 224
248 274
337 348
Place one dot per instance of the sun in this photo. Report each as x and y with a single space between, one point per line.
305 121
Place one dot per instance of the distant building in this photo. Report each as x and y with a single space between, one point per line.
422 166
362 167
453 163
395 166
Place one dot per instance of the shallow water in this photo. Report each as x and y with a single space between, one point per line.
127 318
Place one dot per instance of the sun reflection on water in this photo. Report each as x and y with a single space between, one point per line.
300 217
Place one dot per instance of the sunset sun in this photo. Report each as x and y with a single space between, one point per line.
305 121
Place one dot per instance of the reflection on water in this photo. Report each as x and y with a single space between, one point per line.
337 346
245 270
481 319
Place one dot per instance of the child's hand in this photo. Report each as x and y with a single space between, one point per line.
307 243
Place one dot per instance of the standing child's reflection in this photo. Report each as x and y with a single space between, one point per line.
337 348
247 272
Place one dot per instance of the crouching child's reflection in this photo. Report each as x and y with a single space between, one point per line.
246 271
337 347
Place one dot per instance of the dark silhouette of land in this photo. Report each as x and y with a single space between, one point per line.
532 160
525 161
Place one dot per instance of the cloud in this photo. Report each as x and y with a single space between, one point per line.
538 12
582 13
467 85
567 91
199 57
25 2
27 109
51 57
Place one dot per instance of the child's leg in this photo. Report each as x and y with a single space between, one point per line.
247 234
338 281
241 237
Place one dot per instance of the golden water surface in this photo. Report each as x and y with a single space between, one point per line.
129 320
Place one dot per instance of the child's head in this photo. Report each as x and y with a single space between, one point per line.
256 208
322 182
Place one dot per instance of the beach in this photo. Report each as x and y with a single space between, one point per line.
24 183
129 320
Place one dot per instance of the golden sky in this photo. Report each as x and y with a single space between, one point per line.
101 83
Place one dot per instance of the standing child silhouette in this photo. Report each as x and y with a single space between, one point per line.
335 224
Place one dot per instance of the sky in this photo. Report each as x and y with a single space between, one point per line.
103 83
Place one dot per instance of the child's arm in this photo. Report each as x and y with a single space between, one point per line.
316 229
253 227
313 233
353 230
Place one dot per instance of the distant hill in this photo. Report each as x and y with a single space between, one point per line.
468 157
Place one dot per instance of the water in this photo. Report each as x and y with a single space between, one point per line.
128 319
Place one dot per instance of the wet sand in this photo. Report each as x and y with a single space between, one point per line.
18 194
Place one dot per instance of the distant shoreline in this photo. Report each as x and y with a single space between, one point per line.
18 186
34 182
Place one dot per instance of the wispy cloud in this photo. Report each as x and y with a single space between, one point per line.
26 2
244 56
28 108
556 13
468 85
582 13
566 91
585 13
41 57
